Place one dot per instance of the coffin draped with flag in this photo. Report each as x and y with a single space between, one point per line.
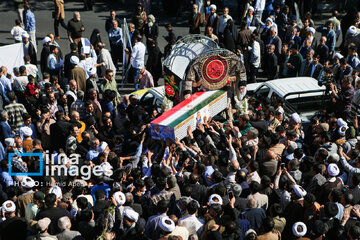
174 123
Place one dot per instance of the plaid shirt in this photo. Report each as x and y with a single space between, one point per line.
18 166
15 111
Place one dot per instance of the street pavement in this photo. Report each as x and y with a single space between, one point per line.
96 19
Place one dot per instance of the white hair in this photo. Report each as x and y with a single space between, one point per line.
64 222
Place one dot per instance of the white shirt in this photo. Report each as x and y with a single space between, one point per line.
16 32
31 69
138 55
20 83
193 224
222 23
259 5
255 54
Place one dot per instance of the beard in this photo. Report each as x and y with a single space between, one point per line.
241 95
151 24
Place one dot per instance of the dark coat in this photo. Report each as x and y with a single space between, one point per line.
295 61
195 22
153 34
45 52
271 66
213 25
54 214
278 44
32 54
68 66
153 64
59 132
323 52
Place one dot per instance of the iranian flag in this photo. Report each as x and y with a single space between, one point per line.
174 123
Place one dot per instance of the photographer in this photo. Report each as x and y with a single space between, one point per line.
343 99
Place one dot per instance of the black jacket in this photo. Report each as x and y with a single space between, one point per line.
59 132
32 54
54 214
153 34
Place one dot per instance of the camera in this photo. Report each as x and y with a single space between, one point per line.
325 81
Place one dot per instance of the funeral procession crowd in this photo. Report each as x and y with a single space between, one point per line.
254 172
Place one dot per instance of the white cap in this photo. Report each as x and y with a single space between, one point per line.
8 206
74 60
341 122
333 169
131 214
299 229
119 198
10 142
311 29
342 130
27 182
215 199
167 224
296 118
299 191
352 30
213 6
107 168
56 190
26 131
46 40
270 20
25 35
250 8
338 55
249 232
43 224
92 71
101 148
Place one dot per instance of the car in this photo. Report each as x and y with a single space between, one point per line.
153 97
301 94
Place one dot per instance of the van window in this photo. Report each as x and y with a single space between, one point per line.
147 99
263 91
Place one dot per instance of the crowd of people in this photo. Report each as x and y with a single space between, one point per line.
253 172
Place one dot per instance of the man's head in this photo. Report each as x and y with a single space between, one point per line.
50 200
226 11
112 14
115 24
73 85
93 94
271 48
27 119
323 40
131 27
64 223
210 31
316 59
54 49
22 71
310 54
273 32
109 75
195 8
352 51
346 81
76 16
329 25
139 38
